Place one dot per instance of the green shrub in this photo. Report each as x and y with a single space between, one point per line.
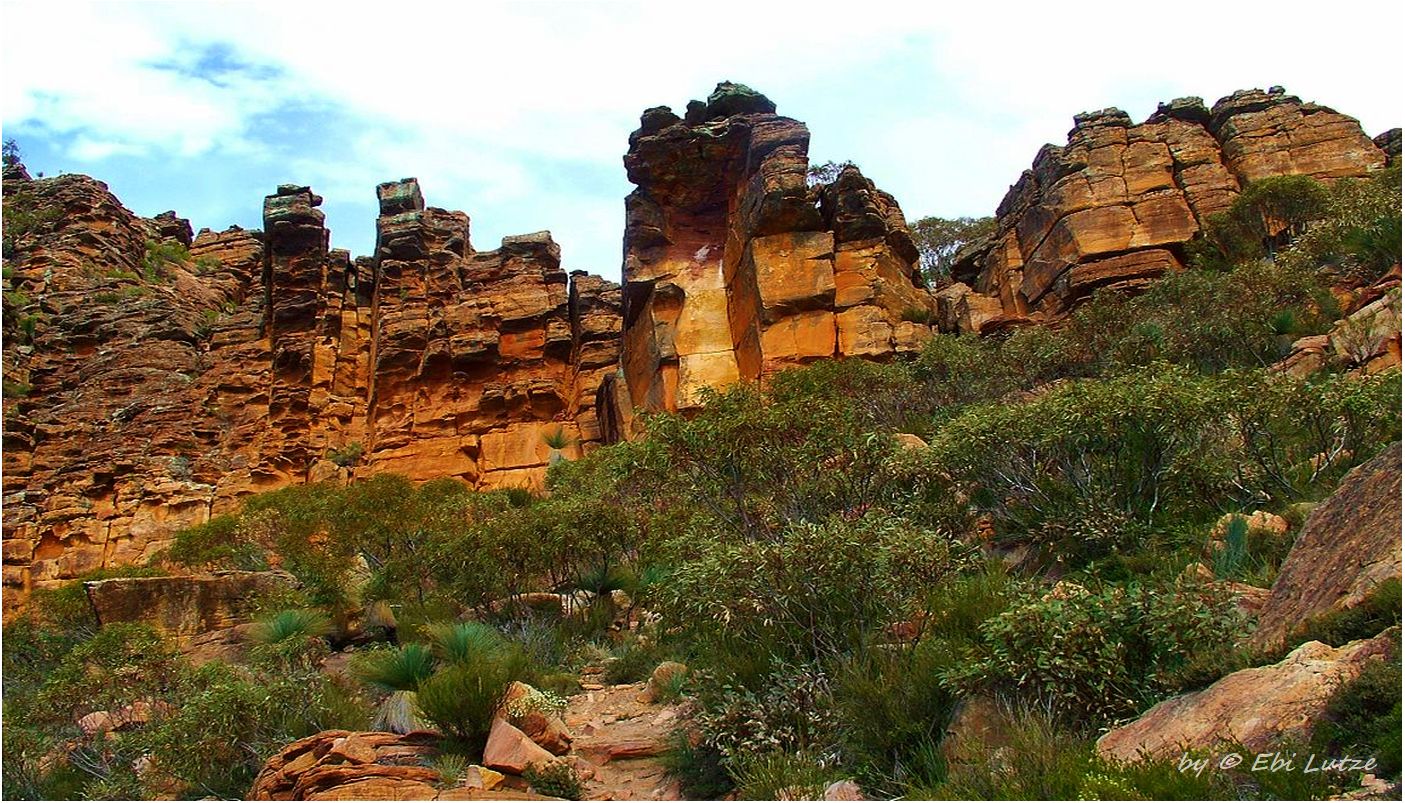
893 709
160 257
230 720
26 215
219 543
783 776
395 669
346 456
121 664
1359 234
814 591
632 663
462 698
1266 215
1363 717
208 264
790 711
451 768
555 779
698 768
464 642
1095 656
16 389
1090 467
291 625
1379 610
920 315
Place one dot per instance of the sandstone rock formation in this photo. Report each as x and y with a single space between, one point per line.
1257 708
1116 205
149 387
341 765
734 267
1348 545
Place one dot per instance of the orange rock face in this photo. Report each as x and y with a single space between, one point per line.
736 267
148 388
1116 205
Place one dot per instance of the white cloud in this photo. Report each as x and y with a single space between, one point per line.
944 105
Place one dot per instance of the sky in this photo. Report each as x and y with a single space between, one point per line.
519 113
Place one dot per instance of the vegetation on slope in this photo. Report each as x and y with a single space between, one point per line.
835 591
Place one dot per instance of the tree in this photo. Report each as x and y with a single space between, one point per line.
820 174
1268 215
11 152
939 240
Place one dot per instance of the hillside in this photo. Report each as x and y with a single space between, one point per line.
772 518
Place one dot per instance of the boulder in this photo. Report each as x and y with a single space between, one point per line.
510 750
1257 708
1348 545
1258 521
843 790
203 613
659 680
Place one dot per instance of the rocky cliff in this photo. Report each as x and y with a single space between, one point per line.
154 378
736 265
1117 204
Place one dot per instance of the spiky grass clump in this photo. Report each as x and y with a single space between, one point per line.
297 624
451 768
462 698
461 642
556 438
402 669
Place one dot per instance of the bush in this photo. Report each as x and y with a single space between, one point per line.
160 257
555 779
790 712
464 642
1378 611
1089 467
698 768
462 698
632 663
1263 218
1363 717
1096 656
346 456
230 720
1358 237
894 710
783 776
813 592
395 669
297 625
121 664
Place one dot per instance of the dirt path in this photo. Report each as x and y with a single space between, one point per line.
618 739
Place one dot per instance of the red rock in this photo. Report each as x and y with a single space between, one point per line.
160 399
338 765
1257 708
1114 206
731 272
1349 544
510 750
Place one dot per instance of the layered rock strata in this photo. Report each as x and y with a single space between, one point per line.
1117 204
736 266
155 378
